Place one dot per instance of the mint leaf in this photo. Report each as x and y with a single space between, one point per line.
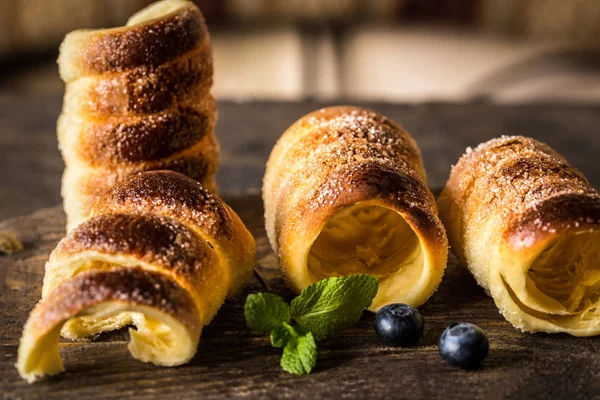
329 306
281 335
265 311
300 351
299 348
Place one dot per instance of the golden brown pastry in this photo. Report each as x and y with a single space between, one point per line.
137 98
345 193
158 251
527 224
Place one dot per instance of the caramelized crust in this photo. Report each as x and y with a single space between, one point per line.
179 197
146 90
82 187
508 206
159 241
328 138
137 99
128 140
151 44
131 285
509 174
390 186
558 215
159 251
469 173
176 196
339 157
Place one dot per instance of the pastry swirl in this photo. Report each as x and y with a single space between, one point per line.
527 224
344 193
144 90
129 140
155 35
158 251
82 187
137 98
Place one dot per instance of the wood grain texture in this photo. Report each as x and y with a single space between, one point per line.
234 361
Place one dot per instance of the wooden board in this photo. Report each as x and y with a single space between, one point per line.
233 361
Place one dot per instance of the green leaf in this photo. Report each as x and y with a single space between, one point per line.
281 335
329 306
300 351
265 311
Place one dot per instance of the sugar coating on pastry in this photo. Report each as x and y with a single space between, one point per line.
137 98
344 193
527 224
160 252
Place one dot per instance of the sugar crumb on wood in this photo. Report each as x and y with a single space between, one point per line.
10 244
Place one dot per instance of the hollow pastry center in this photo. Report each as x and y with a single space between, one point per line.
88 325
568 271
153 340
149 331
365 239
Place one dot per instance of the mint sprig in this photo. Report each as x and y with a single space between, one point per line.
322 310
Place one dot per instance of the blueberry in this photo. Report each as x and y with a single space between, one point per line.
463 345
399 325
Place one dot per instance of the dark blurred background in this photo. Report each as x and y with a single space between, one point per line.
384 50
